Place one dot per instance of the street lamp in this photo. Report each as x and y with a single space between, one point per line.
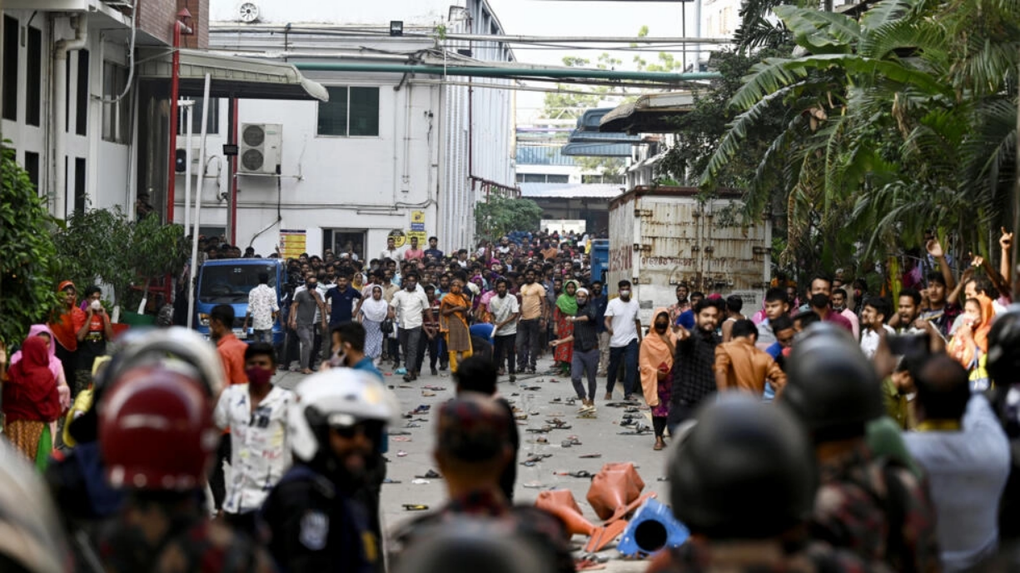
396 28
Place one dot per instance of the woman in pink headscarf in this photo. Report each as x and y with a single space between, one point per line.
56 367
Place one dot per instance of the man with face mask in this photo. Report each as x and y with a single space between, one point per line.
256 415
314 523
307 313
820 302
624 327
586 350
694 365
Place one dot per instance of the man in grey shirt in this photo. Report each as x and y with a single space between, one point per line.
303 313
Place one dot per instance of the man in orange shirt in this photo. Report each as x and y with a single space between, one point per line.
739 365
231 351
221 323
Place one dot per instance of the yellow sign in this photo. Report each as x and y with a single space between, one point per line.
417 216
292 243
417 228
398 237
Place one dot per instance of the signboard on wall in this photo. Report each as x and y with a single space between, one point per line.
417 228
293 242
399 238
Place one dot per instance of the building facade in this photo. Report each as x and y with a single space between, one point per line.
390 153
64 71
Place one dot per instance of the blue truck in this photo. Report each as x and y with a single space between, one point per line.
600 261
228 281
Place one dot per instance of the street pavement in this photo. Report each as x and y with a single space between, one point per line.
412 455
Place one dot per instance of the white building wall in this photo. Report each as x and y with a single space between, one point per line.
106 163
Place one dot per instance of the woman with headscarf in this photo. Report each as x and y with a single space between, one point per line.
566 306
65 327
453 322
55 364
656 367
969 346
31 401
372 314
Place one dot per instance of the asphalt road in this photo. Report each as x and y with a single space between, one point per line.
533 395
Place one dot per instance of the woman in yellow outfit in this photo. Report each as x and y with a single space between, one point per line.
453 313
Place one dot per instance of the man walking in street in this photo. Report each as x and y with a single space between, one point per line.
256 415
307 306
341 300
534 310
693 368
262 310
410 307
585 360
600 302
624 328
504 310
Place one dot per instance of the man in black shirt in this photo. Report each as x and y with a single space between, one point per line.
586 350
693 374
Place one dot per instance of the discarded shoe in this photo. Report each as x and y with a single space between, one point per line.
401 454
431 474
415 507
590 456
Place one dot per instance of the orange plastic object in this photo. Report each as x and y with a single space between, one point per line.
616 491
561 503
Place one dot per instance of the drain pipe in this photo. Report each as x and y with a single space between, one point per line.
60 98
180 27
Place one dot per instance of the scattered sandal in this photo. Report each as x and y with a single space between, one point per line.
590 456
415 507
431 474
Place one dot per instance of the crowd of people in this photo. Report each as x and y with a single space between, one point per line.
825 431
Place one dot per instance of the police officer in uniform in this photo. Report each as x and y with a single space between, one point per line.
313 522
743 479
872 505
78 482
157 438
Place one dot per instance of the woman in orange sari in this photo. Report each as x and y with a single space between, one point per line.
453 313
656 367
65 327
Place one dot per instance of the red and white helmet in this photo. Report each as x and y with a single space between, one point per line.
156 430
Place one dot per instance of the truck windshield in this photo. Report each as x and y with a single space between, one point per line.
224 284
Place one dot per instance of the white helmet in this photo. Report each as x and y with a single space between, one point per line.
159 344
30 534
336 397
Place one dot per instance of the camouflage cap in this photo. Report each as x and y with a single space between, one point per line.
472 429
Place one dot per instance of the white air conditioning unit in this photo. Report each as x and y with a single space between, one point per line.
261 145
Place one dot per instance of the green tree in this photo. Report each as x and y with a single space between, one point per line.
501 215
27 278
101 244
894 123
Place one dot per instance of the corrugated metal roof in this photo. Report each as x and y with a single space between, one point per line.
570 190
543 155
588 149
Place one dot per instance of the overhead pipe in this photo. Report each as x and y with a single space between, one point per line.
175 75
498 72
60 98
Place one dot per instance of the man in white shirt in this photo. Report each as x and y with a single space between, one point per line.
263 309
966 456
874 316
256 415
624 328
391 251
409 305
505 311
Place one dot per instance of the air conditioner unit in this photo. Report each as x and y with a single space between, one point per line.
181 158
261 145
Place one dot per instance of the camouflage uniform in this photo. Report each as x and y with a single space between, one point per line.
877 509
525 521
192 544
697 556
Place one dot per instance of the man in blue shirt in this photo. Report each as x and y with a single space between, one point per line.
599 301
433 251
341 301
349 348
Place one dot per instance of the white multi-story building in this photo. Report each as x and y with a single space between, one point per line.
388 152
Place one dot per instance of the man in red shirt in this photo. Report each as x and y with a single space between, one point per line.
414 253
820 302
231 350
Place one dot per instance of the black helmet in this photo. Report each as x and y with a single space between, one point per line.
1004 347
469 544
831 386
746 470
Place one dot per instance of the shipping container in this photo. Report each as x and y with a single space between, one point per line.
665 236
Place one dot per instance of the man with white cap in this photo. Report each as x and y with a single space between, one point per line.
586 350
